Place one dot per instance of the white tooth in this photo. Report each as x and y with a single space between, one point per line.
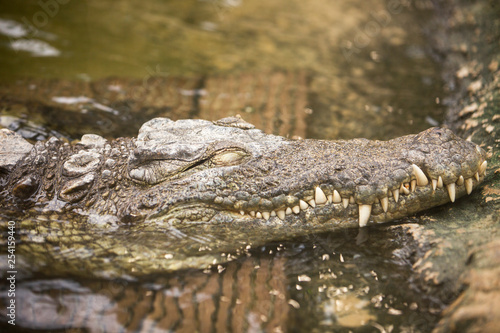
288 211
312 203
319 196
460 180
385 203
482 168
421 177
477 176
266 215
413 185
351 200
364 214
258 215
468 185
336 197
451 191
303 205
330 198
345 202
252 213
434 184
395 193
242 212
404 189
281 214
440 182
296 209
273 213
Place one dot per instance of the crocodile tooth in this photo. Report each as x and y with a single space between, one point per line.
460 180
395 193
336 197
281 214
451 191
477 176
296 209
468 185
288 211
351 200
258 215
252 213
404 189
440 182
242 212
413 185
273 213
303 205
329 197
482 168
345 202
364 214
266 215
312 203
385 203
434 184
421 177
319 196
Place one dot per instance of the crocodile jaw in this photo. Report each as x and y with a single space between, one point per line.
419 182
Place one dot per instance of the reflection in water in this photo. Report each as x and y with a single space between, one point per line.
335 281
249 295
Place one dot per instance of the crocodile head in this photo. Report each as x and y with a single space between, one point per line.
198 171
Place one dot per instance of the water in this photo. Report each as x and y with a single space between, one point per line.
367 70
349 69
346 281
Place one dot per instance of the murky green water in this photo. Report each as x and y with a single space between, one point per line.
368 71
355 70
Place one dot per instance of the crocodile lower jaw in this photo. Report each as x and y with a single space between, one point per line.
418 194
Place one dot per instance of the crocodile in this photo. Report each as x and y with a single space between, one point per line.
228 171
191 193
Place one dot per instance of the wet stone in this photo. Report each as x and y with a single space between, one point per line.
12 149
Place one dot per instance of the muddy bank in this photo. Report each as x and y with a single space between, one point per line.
459 246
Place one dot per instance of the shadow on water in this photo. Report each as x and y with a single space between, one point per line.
312 69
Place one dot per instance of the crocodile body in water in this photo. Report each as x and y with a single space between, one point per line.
219 183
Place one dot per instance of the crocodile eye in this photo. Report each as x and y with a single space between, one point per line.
227 158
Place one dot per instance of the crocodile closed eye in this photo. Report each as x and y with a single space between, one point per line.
228 157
